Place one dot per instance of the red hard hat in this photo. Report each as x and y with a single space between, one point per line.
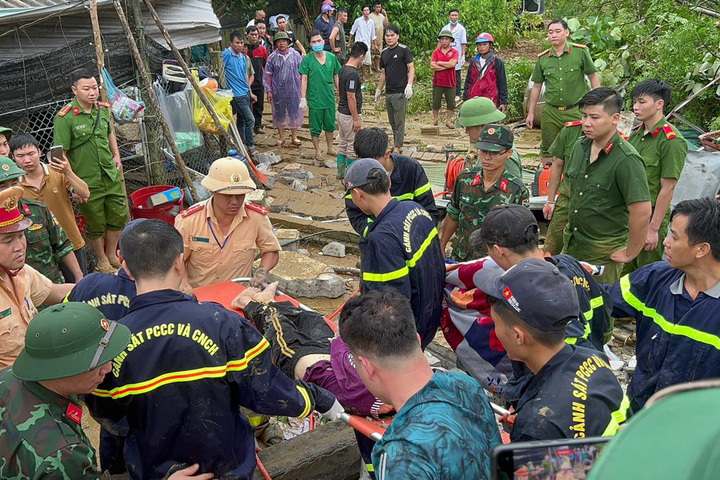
484 37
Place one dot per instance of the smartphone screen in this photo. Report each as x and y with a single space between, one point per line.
550 460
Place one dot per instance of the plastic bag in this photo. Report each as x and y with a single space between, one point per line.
178 111
220 100
124 108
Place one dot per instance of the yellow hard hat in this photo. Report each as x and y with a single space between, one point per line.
228 175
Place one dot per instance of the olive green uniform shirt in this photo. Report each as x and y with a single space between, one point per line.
663 149
88 148
42 436
562 148
47 243
470 203
601 192
564 75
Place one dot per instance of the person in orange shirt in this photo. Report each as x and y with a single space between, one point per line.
22 288
220 234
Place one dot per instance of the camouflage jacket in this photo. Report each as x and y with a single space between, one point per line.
41 435
47 242
471 202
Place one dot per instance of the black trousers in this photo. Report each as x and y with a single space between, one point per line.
259 106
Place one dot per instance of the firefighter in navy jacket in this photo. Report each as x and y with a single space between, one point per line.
187 370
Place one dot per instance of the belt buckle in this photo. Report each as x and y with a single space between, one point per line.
562 109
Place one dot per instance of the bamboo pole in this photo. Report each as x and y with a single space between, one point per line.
191 78
99 53
147 83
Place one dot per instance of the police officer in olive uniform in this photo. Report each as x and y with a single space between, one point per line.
562 69
47 244
556 209
84 129
474 115
479 188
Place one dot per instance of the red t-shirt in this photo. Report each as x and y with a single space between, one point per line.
445 78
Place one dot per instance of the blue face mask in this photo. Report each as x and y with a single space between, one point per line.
318 48
453 23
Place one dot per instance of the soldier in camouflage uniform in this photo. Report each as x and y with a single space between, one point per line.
480 188
47 244
68 351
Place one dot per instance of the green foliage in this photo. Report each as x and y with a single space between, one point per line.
518 71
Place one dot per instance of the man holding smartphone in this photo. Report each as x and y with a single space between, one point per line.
84 129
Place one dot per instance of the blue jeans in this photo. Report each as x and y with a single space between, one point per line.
245 119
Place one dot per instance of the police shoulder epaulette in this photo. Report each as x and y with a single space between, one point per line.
104 104
543 52
65 110
579 45
669 132
257 208
194 209
623 136
576 123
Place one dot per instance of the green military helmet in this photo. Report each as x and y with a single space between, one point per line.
281 36
68 339
7 132
445 33
9 170
478 111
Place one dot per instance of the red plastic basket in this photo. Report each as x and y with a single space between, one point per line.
139 198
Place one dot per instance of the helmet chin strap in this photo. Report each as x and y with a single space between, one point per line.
10 272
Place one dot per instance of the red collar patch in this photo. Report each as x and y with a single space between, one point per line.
504 185
476 180
608 148
76 110
656 131
74 413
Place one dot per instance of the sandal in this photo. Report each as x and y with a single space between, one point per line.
296 141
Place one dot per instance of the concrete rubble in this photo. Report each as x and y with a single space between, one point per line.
288 238
334 249
267 158
301 276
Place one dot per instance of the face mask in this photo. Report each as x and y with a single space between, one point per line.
453 23
318 48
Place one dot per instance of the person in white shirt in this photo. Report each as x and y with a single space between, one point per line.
459 44
363 30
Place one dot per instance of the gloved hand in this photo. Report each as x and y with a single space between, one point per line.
408 91
259 278
377 95
334 412
548 210
303 104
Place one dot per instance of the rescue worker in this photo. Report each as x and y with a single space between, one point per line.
474 115
408 180
220 234
22 288
558 198
68 352
47 244
562 69
402 250
610 203
574 392
486 76
663 150
675 304
479 188
444 426
190 361
84 129
510 234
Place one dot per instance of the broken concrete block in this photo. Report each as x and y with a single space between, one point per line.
299 185
269 158
288 238
256 196
271 178
334 249
264 167
302 251
302 276
331 163
294 170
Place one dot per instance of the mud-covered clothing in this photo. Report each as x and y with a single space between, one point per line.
446 430
41 436
678 338
181 381
574 395
470 203
403 252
